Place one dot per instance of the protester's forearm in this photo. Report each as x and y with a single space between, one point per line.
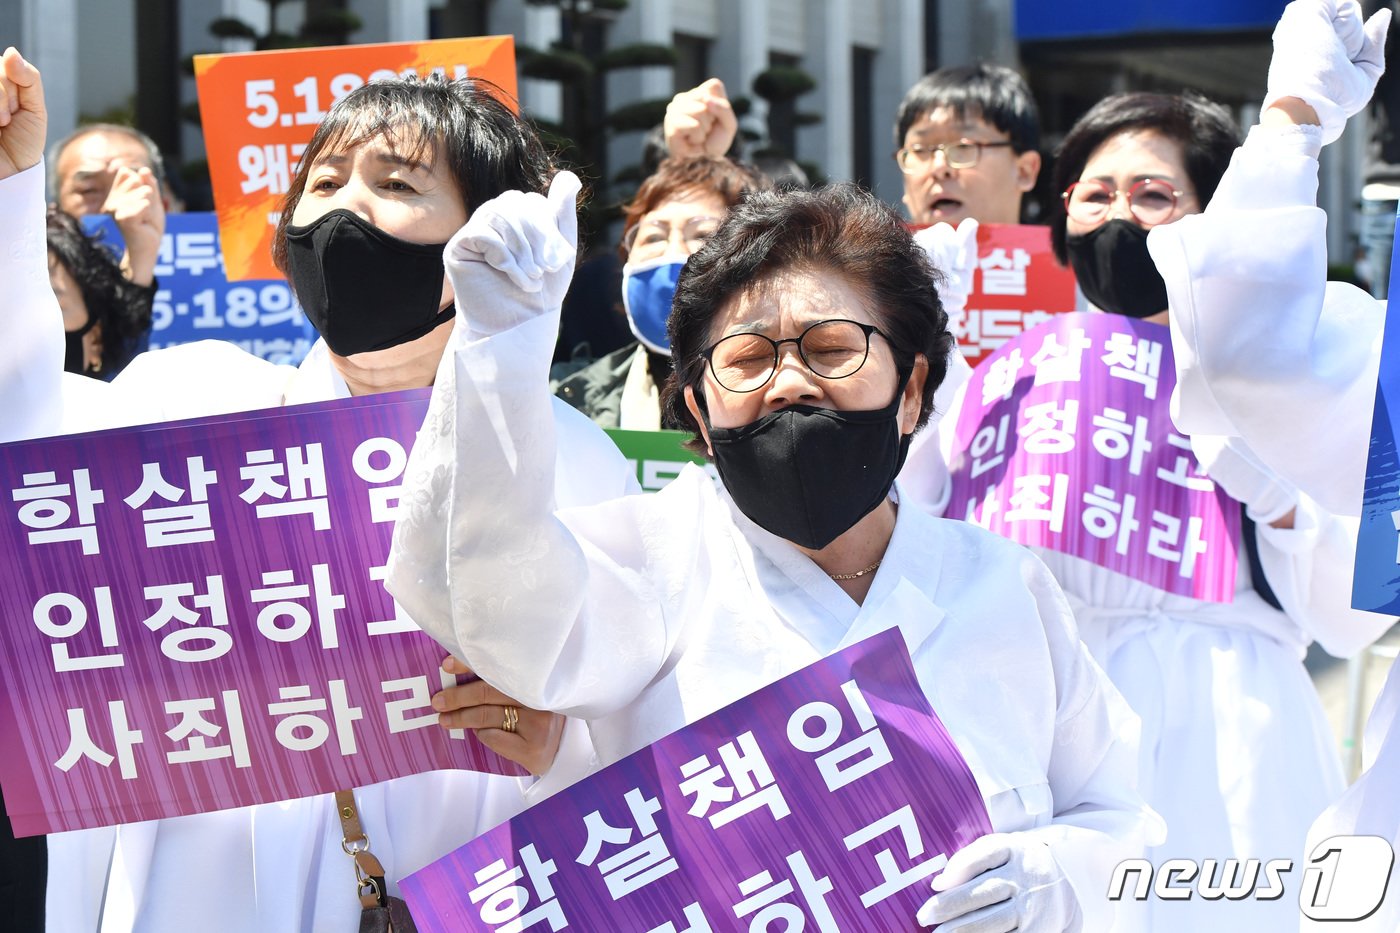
31 324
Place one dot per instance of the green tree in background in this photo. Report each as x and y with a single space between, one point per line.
580 62
781 85
323 24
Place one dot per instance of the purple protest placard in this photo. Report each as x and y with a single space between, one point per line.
1065 441
196 301
829 797
194 617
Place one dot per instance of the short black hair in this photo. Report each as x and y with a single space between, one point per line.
487 148
1205 131
842 229
654 150
994 93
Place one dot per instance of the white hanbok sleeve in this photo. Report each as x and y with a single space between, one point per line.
1099 817
1309 568
925 477
1266 348
1369 807
481 562
31 324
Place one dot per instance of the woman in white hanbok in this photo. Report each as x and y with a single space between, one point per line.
401 165
1271 352
807 347
1237 755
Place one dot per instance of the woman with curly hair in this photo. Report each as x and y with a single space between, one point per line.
106 319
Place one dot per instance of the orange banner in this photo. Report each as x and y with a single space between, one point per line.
259 110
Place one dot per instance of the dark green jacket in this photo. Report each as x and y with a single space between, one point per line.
596 389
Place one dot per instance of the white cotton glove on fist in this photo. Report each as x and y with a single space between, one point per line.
514 257
998 883
1327 57
1235 469
953 252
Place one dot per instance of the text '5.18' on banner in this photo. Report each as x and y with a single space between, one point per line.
260 109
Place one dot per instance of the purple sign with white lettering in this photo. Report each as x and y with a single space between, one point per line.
194 618
827 800
1065 441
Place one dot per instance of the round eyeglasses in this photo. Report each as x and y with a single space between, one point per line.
1150 200
965 153
652 239
831 349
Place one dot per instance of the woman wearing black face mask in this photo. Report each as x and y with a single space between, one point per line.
1227 707
807 346
106 319
394 169
1134 162
1236 754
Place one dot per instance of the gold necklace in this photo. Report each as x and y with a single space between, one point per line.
858 574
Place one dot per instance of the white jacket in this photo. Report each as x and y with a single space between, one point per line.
1266 348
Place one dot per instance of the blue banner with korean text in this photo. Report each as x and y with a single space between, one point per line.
196 301
1376 583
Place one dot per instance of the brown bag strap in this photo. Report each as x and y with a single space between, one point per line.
369 873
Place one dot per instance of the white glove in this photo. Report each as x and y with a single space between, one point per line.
1325 56
1235 469
953 252
1001 882
515 253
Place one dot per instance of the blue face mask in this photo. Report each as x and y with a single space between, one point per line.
647 291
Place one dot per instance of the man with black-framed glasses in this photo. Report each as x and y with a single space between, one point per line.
967 139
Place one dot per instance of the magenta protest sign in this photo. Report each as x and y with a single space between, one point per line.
828 798
194 618
1065 441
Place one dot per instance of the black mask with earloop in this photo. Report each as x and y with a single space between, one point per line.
1115 271
364 289
73 354
808 474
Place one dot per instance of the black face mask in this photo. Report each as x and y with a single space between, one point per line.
1115 271
364 289
73 354
809 474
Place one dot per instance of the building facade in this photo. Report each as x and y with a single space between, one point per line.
103 58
